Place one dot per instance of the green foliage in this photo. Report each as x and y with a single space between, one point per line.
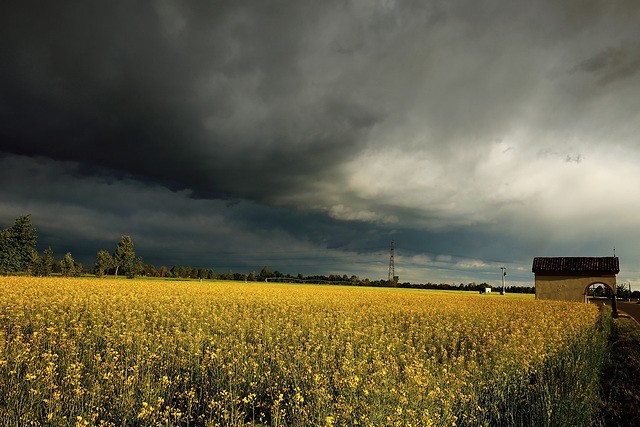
138 269
124 256
265 273
103 262
149 270
623 290
34 264
41 265
68 266
17 244
46 262
24 238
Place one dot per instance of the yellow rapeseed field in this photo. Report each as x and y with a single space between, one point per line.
77 352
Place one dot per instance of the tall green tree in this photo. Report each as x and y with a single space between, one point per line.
124 256
181 272
138 269
46 262
68 266
265 273
104 261
41 265
34 264
17 244
24 237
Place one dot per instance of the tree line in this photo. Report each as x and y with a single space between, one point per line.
18 255
473 286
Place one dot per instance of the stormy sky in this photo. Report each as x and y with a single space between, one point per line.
306 135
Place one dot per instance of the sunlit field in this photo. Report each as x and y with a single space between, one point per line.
142 352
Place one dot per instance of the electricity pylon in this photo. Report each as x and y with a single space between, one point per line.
392 268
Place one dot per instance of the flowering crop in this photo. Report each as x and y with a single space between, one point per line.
122 352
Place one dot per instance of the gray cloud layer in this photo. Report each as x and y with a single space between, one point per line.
490 130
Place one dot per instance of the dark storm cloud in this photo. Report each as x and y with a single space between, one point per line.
83 214
614 63
185 94
260 99
92 83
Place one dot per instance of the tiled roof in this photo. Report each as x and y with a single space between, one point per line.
605 265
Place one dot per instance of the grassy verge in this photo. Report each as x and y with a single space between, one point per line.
621 376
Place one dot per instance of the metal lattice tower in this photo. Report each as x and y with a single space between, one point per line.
392 267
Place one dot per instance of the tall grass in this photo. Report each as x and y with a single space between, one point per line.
90 352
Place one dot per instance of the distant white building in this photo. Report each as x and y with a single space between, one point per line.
485 291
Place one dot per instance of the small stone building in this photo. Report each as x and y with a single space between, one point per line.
569 278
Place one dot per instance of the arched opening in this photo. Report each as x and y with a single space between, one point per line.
600 291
